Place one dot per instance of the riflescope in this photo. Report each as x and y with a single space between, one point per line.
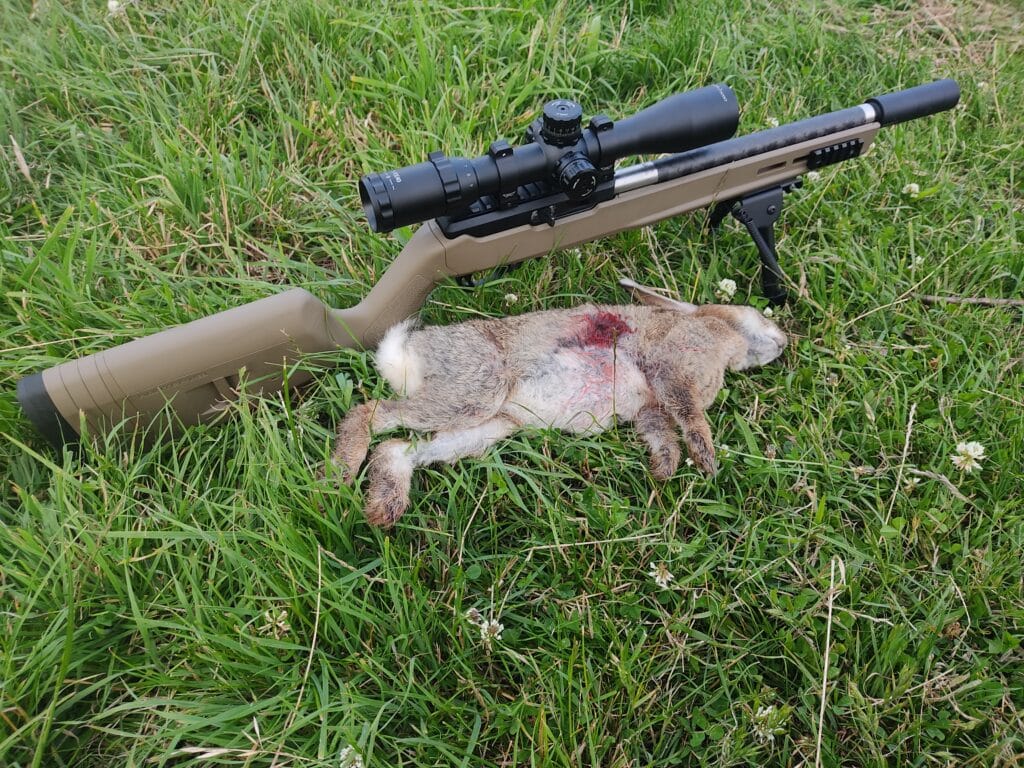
559 155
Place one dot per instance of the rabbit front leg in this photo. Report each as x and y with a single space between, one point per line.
392 463
657 429
681 399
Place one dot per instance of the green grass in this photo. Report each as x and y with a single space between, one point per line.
209 602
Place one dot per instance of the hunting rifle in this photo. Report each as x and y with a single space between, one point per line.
558 189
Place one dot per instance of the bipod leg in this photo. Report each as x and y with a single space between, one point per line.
758 212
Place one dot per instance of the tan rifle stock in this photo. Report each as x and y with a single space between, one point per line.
193 372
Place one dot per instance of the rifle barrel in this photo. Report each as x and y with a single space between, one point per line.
889 109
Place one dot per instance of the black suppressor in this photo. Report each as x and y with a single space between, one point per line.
559 152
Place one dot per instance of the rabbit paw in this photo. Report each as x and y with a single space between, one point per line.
328 471
352 443
665 461
347 467
337 470
390 474
702 452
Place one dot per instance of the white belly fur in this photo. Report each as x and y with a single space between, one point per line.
581 390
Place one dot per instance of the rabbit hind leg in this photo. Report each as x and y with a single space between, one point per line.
353 440
420 413
354 432
392 463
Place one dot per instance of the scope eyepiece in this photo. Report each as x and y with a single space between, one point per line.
559 153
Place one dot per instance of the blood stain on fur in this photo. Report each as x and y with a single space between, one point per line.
601 329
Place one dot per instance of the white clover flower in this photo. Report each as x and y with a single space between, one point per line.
490 631
689 462
912 190
511 298
349 758
968 456
917 263
761 732
275 624
726 289
773 122
768 722
661 575
768 312
813 177
118 7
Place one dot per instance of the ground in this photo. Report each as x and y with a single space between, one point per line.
842 593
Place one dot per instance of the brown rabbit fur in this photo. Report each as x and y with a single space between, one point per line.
475 383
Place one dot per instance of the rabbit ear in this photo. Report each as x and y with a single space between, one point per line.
647 296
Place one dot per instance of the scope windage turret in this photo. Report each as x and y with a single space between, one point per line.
559 152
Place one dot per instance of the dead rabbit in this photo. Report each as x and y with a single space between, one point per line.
472 384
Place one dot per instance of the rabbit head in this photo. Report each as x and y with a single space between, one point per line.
764 340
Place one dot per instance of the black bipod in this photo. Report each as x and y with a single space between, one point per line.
758 212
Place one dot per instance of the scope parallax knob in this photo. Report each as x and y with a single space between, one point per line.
561 121
576 176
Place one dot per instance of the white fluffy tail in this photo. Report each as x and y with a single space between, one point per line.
396 362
